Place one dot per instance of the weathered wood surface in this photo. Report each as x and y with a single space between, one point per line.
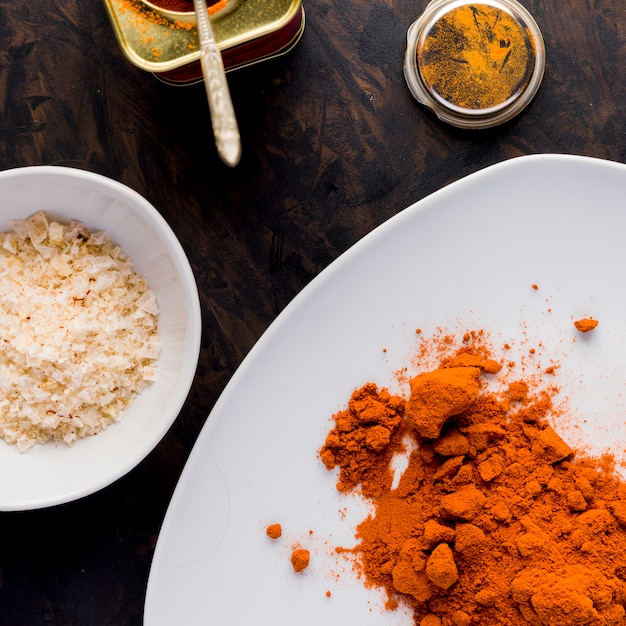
333 145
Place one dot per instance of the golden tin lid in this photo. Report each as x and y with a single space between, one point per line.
475 64
246 31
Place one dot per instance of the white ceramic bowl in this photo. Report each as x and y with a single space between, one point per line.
52 474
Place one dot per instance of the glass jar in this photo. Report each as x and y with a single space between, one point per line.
474 64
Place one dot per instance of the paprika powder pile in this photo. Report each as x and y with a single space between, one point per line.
496 519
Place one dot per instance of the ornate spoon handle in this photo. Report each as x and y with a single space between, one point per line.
225 128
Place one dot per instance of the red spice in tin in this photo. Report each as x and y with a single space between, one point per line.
182 6
174 5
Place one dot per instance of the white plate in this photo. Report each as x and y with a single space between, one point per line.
53 474
466 257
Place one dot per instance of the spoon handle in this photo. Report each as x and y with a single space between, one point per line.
225 128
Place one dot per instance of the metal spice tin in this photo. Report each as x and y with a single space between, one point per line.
255 31
474 64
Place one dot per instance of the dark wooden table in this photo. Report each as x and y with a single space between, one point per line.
333 145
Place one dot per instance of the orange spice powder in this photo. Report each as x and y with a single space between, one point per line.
496 520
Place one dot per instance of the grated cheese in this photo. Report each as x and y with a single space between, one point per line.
78 332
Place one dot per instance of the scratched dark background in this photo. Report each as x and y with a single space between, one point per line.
333 145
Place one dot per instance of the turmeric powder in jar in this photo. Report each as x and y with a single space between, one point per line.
475 65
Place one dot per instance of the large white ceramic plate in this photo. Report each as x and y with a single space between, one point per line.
53 474
465 257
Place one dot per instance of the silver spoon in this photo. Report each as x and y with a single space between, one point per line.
223 119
